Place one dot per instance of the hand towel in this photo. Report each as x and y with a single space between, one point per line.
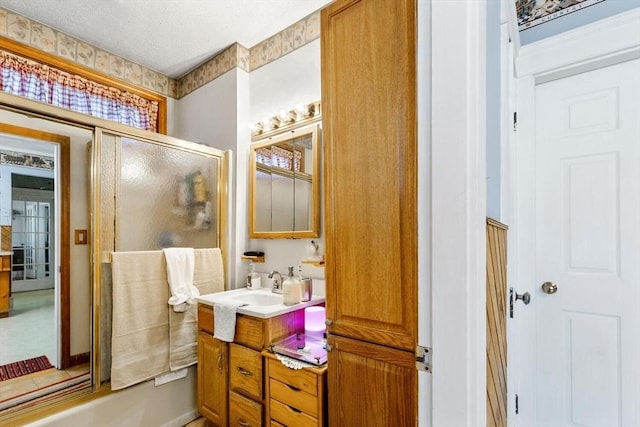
208 277
180 267
224 320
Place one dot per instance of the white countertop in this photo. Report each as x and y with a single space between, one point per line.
261 311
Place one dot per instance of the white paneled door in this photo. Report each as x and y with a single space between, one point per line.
587 234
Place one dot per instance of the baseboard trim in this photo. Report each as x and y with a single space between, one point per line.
79 359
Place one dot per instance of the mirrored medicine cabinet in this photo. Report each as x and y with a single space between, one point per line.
284 185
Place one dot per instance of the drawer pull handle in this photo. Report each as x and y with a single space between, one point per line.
244 371
243 423
292 387
292 409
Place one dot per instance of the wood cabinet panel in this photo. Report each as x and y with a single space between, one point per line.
294 397
300 379
245 371
291 416
250 332
370 151
371 385
5 285
212 378
205 318
5 264
244 412
253 332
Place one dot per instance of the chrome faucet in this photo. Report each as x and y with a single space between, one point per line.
277 281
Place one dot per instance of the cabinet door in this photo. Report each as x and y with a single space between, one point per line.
213 362
370 151
371 385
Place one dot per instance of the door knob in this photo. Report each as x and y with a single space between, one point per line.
549 288
526 297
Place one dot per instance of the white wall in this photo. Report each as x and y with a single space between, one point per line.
209 114
172 117
217 115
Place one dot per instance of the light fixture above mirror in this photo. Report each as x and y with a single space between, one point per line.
286 119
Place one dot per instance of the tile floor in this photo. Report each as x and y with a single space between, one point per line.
28 383
200 422
29 330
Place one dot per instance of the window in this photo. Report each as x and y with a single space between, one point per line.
70 89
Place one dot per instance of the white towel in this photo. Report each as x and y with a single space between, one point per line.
180 266
208 277
224 320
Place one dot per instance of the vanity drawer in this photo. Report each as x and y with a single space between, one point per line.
205 318
290 416
274 423
245 371
294 397
249 332
244 412
299 378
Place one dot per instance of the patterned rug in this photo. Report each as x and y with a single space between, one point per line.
24 367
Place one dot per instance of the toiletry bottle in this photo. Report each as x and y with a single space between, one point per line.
253 278
306 286
291 289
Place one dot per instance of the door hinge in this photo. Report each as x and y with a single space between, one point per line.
423 358
515 121
517 405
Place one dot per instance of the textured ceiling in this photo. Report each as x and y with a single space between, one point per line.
169 36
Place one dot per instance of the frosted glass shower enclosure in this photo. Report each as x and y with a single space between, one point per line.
153 194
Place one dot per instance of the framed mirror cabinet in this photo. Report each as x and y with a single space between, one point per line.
284 184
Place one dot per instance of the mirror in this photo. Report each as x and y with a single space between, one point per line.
44 199
284 185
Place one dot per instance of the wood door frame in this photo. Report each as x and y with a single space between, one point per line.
64 142
603 43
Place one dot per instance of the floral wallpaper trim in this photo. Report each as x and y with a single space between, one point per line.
234 56
39 36
275 47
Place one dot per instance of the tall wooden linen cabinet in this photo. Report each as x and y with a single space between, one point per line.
370 156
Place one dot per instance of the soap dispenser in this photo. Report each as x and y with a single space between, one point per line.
291 289
253 278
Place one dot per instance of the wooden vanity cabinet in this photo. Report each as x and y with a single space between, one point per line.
231 375
369 105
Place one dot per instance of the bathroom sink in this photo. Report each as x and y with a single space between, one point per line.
260 303
259 299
